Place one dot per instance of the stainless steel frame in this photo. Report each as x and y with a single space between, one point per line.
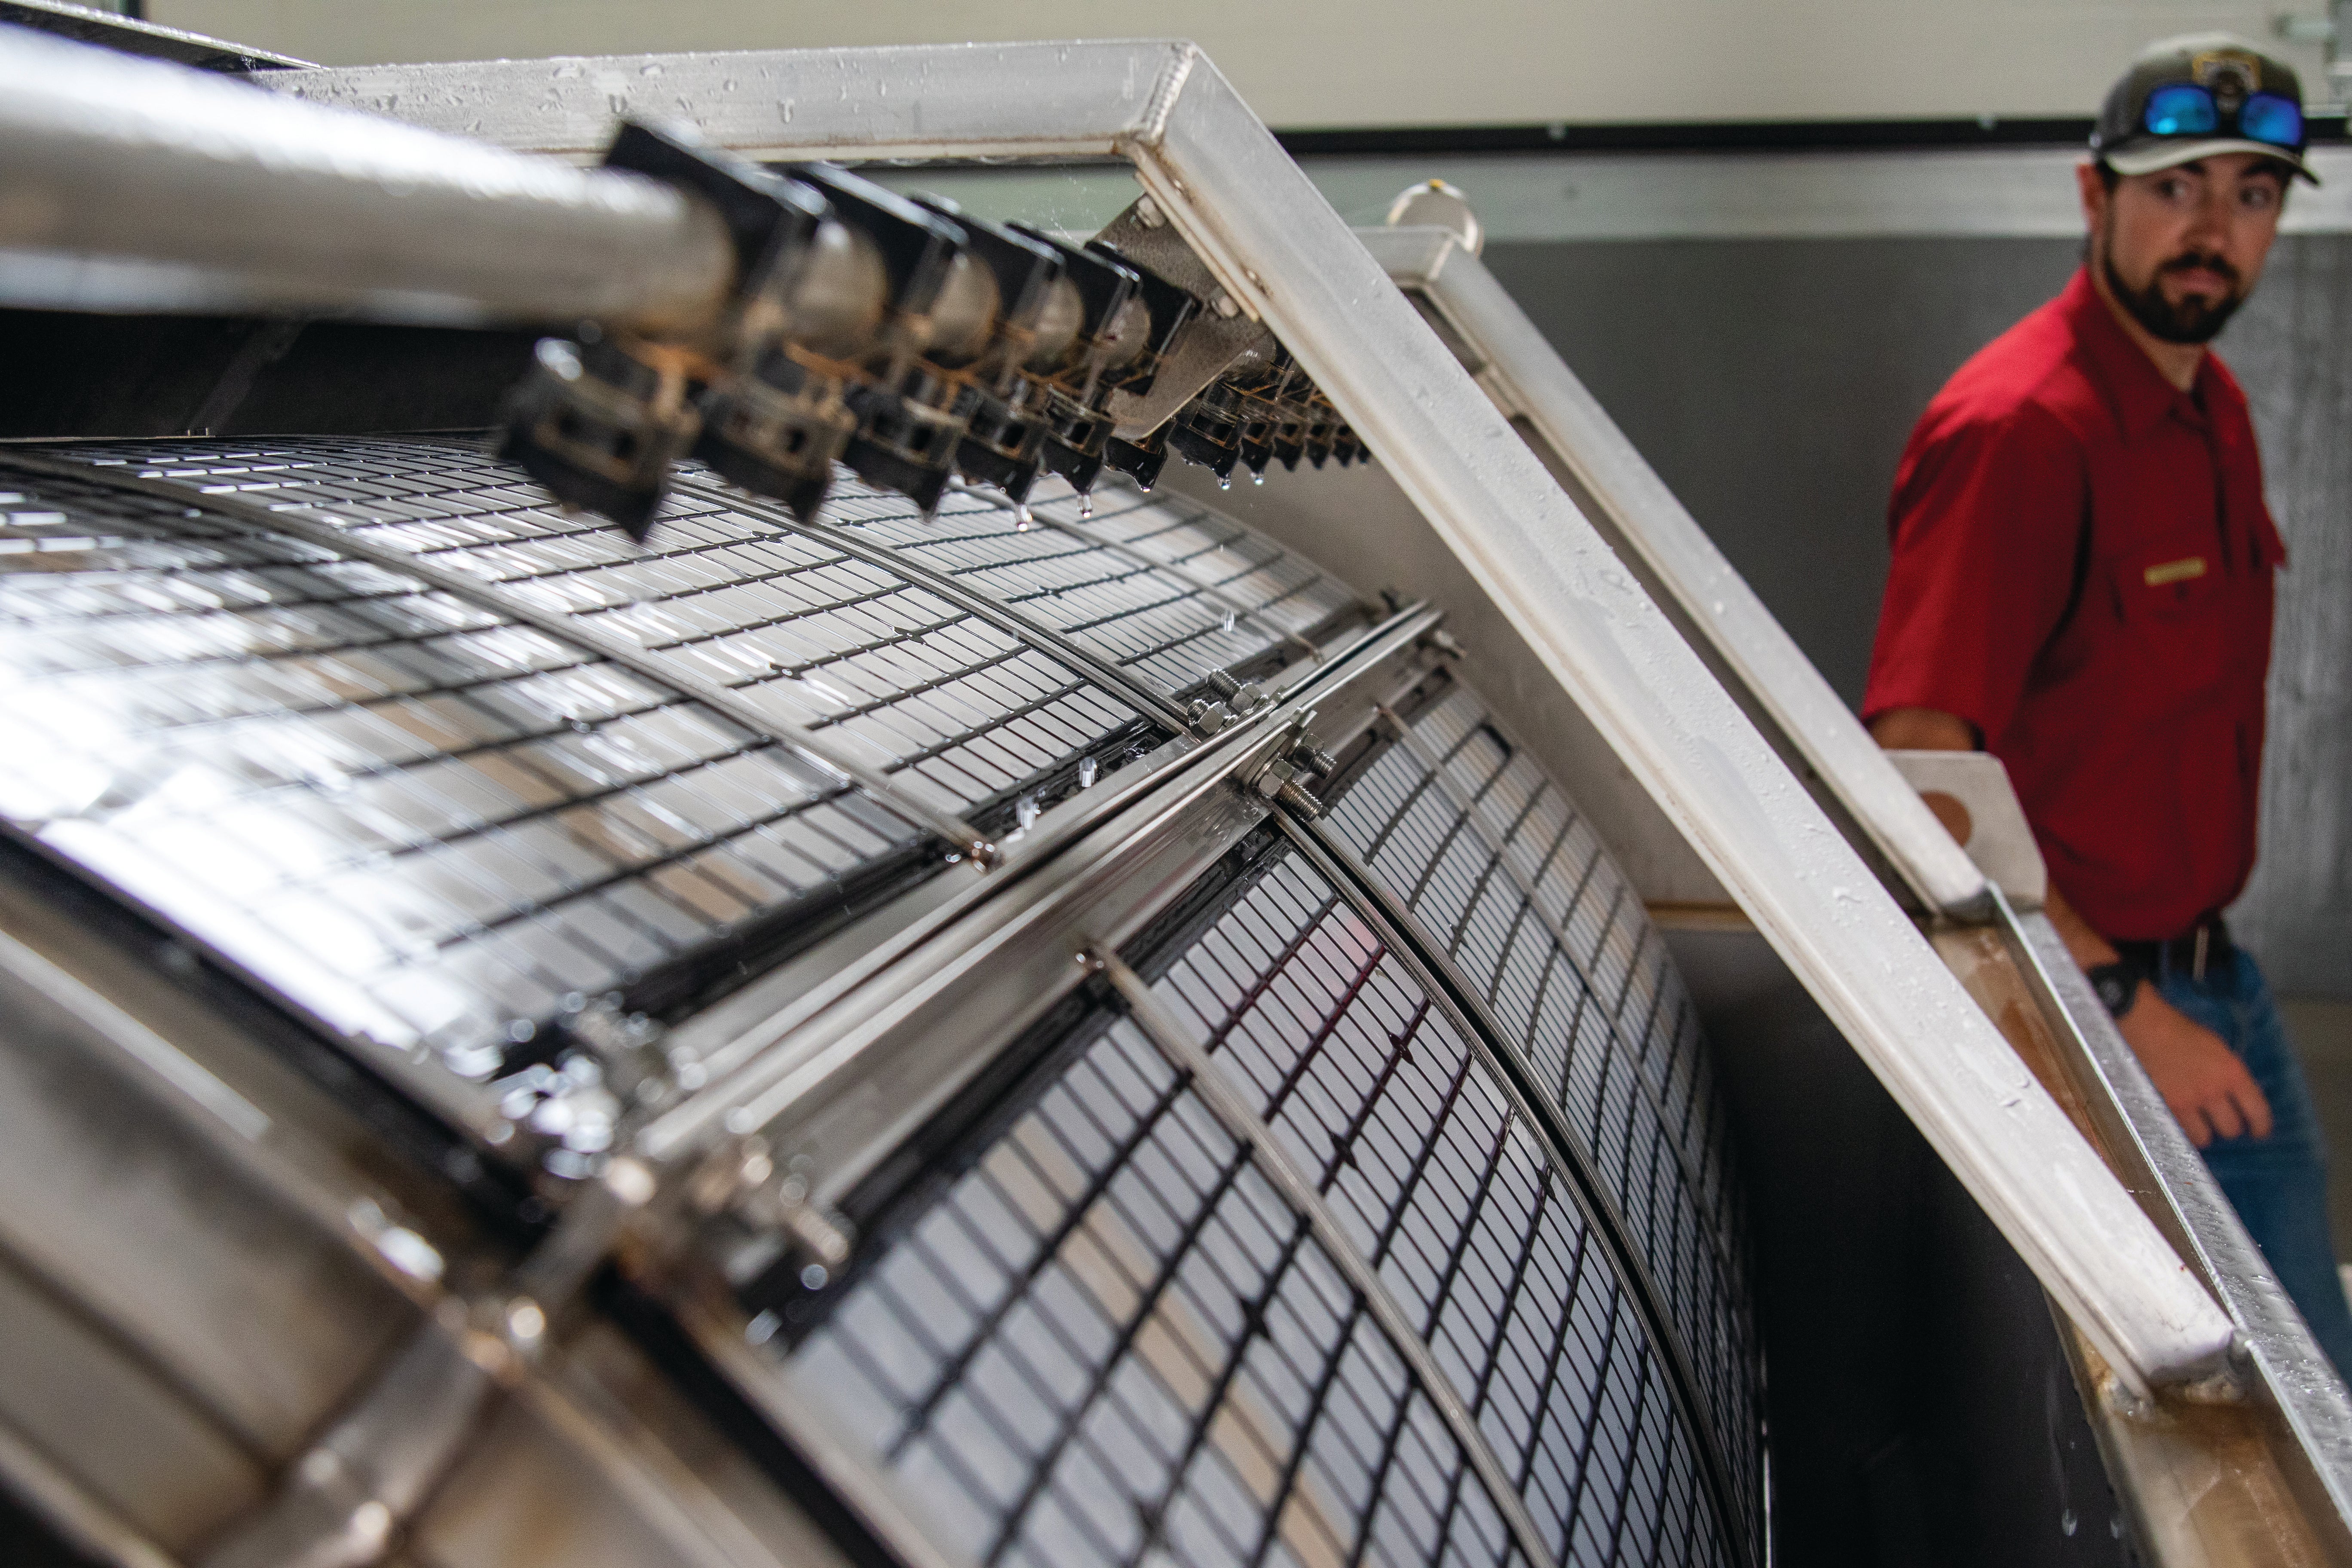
1283 257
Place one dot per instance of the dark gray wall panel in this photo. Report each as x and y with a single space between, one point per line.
1773 383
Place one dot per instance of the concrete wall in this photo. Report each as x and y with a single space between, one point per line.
1773 382
1378 62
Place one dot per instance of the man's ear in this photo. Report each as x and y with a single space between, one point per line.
2094 193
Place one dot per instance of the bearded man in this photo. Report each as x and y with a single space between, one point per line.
2082 585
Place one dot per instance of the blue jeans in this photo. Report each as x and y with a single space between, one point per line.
2279 1184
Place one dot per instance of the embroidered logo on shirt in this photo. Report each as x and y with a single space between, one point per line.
2180 571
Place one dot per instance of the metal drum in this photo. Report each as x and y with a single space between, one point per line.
1056 1037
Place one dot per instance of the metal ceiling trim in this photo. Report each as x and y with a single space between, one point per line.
1286 256
1404 936
916 812
1209 1081
1144 697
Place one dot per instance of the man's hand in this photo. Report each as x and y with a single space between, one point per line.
2208 1088
2200 1078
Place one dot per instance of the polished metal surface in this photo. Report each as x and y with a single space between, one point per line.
389 221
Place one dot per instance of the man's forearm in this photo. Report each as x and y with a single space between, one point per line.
2089 948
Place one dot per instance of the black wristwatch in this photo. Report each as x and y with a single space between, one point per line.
2117 985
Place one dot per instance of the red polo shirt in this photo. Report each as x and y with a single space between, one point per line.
2083 567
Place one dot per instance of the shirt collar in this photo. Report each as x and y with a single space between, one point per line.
2135 389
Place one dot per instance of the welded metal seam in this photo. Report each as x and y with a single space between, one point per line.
1157 705
483 595
1403 934
1224 1101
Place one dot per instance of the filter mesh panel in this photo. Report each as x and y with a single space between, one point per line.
1166 590
424 823
957 709
1110 1324
1497 865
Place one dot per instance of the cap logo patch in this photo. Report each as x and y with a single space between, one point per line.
2232 76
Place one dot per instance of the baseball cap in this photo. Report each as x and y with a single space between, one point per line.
2198 96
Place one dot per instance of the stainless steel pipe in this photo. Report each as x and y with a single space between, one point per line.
133 184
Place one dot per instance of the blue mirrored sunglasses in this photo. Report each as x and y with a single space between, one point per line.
2187 110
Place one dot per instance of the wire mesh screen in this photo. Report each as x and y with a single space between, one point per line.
425 823
1497 865
1110 1341
1168 591
956 708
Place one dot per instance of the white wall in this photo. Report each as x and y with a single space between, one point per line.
1377 62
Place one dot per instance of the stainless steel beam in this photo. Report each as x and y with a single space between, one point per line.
2141 1134
136 184
840 1074
1684 571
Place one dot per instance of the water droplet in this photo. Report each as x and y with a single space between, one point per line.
2066 1521
1022 519
1226 623
1085 506
1086 773
1225 483
1257 475
1025 812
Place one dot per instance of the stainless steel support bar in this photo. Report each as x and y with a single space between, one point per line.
2139 1130
1242 1124
86 1522
1684 571
839 1076
136 184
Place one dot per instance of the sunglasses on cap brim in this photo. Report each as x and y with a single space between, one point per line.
2184 109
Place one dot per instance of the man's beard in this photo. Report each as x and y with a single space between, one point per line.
2193 319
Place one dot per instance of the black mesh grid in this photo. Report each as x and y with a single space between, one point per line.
1167 590
426 825
953 707
1495 864
1102 1328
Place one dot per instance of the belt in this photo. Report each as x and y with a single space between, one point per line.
2204 946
